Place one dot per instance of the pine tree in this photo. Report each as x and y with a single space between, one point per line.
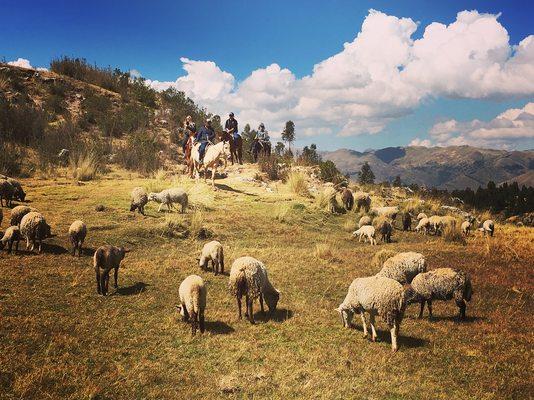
288 135
279 149
366 175
397 181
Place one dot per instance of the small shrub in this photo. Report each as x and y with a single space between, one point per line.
84 166
296 181
269 165
196 226
11 157
380 256
140 153
283 212
330 173
453 234
173 226
324 251
350 225
326 200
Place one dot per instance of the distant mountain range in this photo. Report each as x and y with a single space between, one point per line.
454 167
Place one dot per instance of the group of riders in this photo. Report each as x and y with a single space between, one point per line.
206 136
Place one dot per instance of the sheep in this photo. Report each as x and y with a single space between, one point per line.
363 200
407 222
466 228
169 197
438 223
403 267
423 225
11 235
440 284
365 220
488 226
34 228
139 199
105 259
383 225
18 212
420 216
212 251
7 192
388 212
347 198
193 295
367 231
18 192
248 277
376 295
77 233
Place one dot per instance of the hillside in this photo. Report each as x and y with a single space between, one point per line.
455 167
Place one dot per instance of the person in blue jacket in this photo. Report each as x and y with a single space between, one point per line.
205 135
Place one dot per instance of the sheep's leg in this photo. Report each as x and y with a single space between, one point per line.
185 317
103 288
80 249
373 329
10 246
98 284
183 208
159 208
213 176
394 333
40 249
429 304
239 306
364 324
422 309
116 277
27 243
250 312
106 278
215 267
194 323
261 303
201 321
461 305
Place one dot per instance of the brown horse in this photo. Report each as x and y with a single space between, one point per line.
188 159
236 147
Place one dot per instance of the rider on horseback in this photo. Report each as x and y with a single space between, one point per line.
204 136
190 130
262 136
230 126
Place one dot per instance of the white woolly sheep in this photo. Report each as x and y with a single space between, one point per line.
34 228
169 197
375 295
212 251
403 267
388 212
139 199
248 277
105 259
366 231
440 284
420 216
488 227
18 212
7 192
438 223
193 295
365 220
77 233
362 200
11 235
423 226
466 228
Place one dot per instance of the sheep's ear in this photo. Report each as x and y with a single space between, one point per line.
127 250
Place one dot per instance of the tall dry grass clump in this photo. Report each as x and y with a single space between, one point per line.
296 181
453 234
84 166
326 200
350 225
197 229
324 251
380 257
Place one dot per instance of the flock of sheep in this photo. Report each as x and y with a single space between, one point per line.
402 279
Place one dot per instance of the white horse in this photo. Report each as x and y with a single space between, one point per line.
211 159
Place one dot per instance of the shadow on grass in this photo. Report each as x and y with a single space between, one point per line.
88 251
280 315
222 186
385 336
136 288
52 248
219 328
453 318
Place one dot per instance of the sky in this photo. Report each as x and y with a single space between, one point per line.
350 74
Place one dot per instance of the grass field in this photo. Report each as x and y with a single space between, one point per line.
59 339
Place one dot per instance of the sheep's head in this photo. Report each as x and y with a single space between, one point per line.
122 252
346 314
410 295
133 206
21 195
271 298
152 196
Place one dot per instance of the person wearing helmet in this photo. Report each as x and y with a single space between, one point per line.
262 134
230 126
204 136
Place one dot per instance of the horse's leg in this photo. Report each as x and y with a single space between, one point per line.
213 176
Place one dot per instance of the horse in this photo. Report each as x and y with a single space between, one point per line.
236 146
188 159
260 148
211 159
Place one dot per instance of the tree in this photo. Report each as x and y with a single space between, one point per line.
279 149
366 174
397 181
330 173
288 135
309 155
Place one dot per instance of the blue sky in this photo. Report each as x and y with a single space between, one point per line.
240 37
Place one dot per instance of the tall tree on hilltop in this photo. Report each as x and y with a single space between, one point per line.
288 135
366 175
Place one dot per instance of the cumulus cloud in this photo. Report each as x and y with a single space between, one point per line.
382 75
509 130
420 142
21 62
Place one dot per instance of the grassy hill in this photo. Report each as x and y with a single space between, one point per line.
59 339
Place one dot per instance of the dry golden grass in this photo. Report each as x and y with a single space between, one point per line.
296 182
324 251
84 166
59 339
380 256
453 234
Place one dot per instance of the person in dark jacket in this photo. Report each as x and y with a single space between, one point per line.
190 129
204 136
230 126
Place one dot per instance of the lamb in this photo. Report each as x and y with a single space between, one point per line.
488 226
363 200
347 198
18 192
376 295
11 235
212 251
365 220
420 216
139 199
193 295
440 284
7 191
18 212
466 228
248 277
367 231
403 267
169 197
105 259
34 228
407 222
77 233
423 226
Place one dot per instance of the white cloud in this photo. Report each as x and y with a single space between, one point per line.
135 73
420 142
383 74
21 62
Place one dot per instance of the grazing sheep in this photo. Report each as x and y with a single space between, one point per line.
7 192
347 198
383 225
34 228
381 256
488 226
248 277
423 226
11 235
438 223
403 267
375 295
169 197
388 212
18 192
105 259
440 284
139 200
420 216
366 231
466 228
18 212
77 233
407 222
365 220
212 251
193 295
363 200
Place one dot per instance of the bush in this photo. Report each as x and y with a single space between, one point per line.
269 165
140 153
296 181
453 234
21 123
326 200
84 166
61 136
380 256
11 157
324 251
330 173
